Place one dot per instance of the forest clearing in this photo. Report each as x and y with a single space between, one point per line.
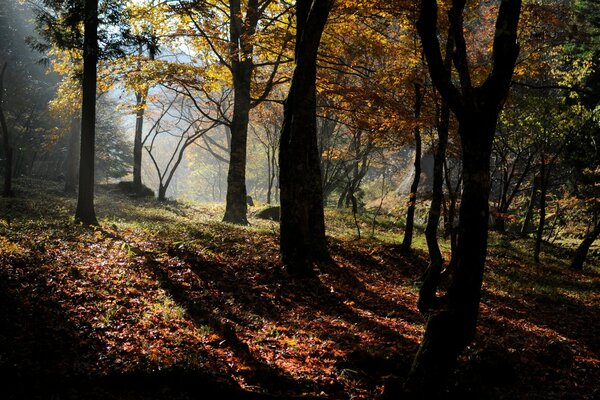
166 302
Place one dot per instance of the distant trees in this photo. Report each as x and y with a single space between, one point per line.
178 122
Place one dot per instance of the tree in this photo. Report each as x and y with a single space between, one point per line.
451 328
6 142
412 200
182 127
85 212
237 50
302 225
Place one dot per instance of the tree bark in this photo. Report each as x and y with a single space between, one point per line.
6 142
85 212
302 238
412 200
71 173
584 248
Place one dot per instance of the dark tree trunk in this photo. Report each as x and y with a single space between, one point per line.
137 142
584 247
270 176
343 196
236 207
72 170
451 328
85 212
162 192
6 142
542 223
526 227
412 200
302 239
436 261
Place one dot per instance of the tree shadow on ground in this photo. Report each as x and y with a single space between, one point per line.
256 293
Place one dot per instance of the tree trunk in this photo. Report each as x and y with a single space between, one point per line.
71 173
541 225
140 100
85 212
412 200
451 328
584 247
162 192
529 213
436 261
343 196
6 142
236 207
302 239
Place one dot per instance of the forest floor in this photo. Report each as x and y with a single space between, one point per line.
166 302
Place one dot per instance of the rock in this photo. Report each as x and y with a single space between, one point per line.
271 213
128 188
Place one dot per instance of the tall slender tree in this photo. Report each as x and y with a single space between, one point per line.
6 145
302 239
85 212
451 327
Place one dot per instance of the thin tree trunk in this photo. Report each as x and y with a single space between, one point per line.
137 142
542 223
72 170
269 180
584 248
529 213
85 212
436 261
412 201
302 238
6 142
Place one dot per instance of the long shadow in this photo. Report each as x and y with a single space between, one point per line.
47 353
313 296
569 318
224 323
